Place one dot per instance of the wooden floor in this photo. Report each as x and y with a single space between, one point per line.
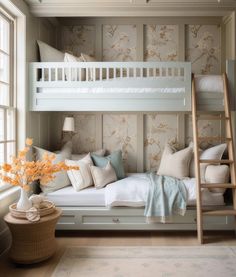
78 238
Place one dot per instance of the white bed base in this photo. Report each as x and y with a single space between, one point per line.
58 86
123 218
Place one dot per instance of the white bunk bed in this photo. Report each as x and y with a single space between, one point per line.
130 86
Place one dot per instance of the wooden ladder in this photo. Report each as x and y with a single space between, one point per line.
230 161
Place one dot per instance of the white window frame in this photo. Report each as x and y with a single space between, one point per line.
11 107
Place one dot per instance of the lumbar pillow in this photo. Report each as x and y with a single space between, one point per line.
175 163
81 178
213 153
217 174
61 179
116 161
70 58
103 176
49 54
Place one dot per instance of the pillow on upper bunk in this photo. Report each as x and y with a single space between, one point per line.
61 179
81 178
48 53
175 163
116 161
217 174
91 75
212 153
103 176
70 58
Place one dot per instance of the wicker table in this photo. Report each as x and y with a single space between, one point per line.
32 242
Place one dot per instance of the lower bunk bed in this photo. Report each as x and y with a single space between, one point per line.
120 206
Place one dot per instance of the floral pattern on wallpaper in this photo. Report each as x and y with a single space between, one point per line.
159 129
161 43
84 140
203 48
119 42
78 39
206 128
120 132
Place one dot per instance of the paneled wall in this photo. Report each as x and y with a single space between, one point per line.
141 136
199 40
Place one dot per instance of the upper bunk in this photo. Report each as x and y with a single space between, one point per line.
122 86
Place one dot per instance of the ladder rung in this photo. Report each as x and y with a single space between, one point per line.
216 161
211 117
220 212
214 138
218 185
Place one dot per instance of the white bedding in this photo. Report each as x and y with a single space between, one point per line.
204 83
99 90
131 191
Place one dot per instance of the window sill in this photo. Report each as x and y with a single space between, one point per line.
7 197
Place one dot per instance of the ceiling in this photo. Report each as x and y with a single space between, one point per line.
131 7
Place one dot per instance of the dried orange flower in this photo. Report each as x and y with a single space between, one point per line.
22 172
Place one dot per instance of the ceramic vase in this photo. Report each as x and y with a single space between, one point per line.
24 203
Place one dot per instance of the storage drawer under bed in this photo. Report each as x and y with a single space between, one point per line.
97 218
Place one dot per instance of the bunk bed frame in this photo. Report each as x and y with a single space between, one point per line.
113 86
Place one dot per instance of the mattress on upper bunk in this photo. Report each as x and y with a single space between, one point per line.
204 83
131 192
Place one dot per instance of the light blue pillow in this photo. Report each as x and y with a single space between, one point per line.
116 161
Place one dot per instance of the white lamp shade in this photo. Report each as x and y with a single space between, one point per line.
69 124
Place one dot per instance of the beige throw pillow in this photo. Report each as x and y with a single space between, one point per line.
81 178
217 174
103 176
175 163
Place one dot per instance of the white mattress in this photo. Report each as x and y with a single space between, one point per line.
209 83
96 197
99 90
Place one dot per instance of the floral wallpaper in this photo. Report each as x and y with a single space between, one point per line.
120 132
161 43
203 48
158 130
119 42
78 39
206 128
84 140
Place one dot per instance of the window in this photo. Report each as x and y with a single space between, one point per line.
7 95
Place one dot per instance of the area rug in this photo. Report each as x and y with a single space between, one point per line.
216 261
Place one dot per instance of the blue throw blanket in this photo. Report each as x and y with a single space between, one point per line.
167 196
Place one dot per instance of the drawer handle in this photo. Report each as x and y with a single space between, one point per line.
116 220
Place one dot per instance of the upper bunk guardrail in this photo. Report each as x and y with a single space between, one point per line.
63 82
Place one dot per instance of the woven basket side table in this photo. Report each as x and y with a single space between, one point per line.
32 242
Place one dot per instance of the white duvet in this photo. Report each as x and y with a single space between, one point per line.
133 190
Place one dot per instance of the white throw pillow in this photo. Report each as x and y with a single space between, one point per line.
61 179
175 163
217 174
74 76
49 54
213 153
91 75
103 176
81 178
